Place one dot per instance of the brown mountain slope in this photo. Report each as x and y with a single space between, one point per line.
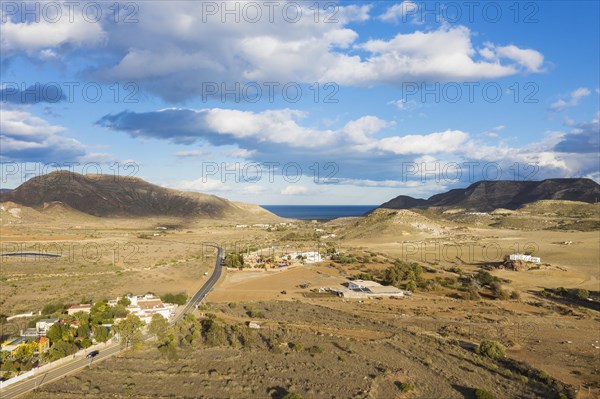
490 195
107 195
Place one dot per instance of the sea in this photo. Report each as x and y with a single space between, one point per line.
318 212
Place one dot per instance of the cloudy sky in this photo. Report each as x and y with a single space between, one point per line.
287 102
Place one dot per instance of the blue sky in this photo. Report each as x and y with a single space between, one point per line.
359 103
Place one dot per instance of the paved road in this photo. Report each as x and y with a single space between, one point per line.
19 388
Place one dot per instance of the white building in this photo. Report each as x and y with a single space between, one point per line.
524 258
308 257
146 306
43 325
364 288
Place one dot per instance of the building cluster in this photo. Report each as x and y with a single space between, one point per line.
35 335
144 307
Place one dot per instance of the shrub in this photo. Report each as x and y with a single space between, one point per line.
484 277
411 286
491 349
405 386
483 394
515 295
472 294
314 349
296 346
582 293
178 299
292 396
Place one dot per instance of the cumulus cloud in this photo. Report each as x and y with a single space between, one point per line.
176 61
39 38
573 100
584 138
26 137
399 12
448 141
295 190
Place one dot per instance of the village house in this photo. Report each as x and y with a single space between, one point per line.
43 325
146 306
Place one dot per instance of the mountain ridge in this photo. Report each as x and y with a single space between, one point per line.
117 196
487 195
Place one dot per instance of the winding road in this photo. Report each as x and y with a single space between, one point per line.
78 363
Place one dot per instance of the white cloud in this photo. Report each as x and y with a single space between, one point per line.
399 12
242 153
574 99
531 60
440 142
40 38
202 184
190 154
26 137
295 190
252 189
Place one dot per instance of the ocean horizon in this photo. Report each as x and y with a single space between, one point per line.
318 212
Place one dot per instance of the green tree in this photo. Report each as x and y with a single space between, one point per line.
124 301
24 352
402 271
129 330
214 332
159 326
101 333
61 349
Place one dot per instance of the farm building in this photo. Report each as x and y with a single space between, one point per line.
365 289
524 258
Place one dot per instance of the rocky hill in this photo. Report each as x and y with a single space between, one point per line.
485 196
107 195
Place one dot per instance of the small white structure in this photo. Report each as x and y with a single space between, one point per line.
307 257
42 326
254 325
524 258
364 288
241 226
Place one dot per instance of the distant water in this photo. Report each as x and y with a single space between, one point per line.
318 212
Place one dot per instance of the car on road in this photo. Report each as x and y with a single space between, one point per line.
92 354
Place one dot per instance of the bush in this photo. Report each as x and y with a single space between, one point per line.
405 386
515 295
314 350
292 396
178 299
296 346
402 271
52 308
483 394
492 349
472 294
582 293
485 278
411 286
